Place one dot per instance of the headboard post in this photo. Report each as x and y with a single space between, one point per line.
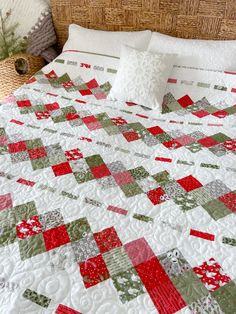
203 19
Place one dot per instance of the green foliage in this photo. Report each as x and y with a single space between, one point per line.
10 44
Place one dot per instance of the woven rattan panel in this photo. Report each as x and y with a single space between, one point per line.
206 19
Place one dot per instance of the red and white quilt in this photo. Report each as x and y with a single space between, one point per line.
110 207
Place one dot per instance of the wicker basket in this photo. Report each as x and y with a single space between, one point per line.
10 78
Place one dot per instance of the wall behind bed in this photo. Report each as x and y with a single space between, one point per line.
205 19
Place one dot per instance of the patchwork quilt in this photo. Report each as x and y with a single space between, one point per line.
110 207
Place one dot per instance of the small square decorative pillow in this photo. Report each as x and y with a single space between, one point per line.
142 77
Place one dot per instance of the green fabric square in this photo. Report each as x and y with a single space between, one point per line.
31 246
220 137
210 109
128 285
63 79
82 87
230 110
40 163
8 233
131 189
139 173
226 297
36 143
78 229
58 119
102 117
194 147
216 209
186 201
2 132
165 109
106 87
107 123
26 110
83 176
39 299
112 130
39 108
163 137
190 287
162 177
117 261
201 196
24 211
94 160
174 105
69 109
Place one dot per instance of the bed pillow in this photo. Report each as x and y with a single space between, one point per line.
104 42
209 54
142 77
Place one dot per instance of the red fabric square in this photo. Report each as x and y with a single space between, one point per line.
230 145
3 140
55 237
40 115
201 113
94 126
139 251
220 114
100 171
53 106
172 144
185 140
85 92
123 178
72 116
89 119
185 101
229 200
156 196
17 147
162 291
208 142
5 201
51 75
189 183
211 275
73 154
93 270
155 130
37 153
62 309
61 169
29 227
131 136
107 239
68 84
92 84
119 121
23 103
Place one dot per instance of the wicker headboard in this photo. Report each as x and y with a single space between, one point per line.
206 19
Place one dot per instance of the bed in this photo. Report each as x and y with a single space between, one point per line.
111 207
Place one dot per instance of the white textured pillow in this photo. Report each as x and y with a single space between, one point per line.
210 54
104 42
142 77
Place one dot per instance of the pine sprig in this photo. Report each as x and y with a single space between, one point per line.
10 44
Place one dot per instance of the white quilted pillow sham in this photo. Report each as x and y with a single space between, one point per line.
142 77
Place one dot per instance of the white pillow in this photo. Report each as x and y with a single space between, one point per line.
142 77
104 42
210 54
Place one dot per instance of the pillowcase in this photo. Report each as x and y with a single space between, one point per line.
142 77
210 54
104 42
